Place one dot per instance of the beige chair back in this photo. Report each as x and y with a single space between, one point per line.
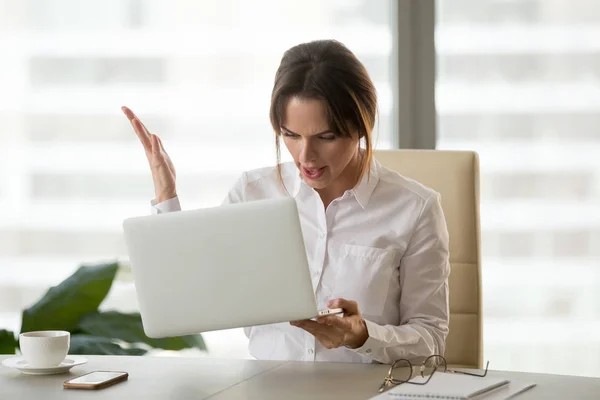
455 175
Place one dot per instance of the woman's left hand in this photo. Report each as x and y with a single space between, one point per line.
333 331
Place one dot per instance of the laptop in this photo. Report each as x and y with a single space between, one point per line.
231 266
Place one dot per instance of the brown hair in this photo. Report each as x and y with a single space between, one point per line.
326 70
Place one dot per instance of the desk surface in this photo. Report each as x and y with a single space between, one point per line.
202 378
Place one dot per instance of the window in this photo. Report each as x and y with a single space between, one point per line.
197 73
518 81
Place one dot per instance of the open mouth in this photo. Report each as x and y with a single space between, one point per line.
313 173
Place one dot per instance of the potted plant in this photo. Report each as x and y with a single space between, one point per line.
73 306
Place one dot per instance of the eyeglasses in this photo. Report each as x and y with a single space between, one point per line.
404 369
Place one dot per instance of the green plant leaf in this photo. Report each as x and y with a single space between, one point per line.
129 328
88 344
62 306
8 342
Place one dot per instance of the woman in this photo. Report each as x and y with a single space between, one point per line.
377 242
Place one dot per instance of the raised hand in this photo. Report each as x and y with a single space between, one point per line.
163 171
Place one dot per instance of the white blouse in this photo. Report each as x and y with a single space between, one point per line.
383 244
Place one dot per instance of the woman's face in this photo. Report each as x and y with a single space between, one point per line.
321 157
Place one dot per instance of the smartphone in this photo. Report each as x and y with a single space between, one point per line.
330 311
96 380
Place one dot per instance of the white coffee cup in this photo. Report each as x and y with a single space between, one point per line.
43 349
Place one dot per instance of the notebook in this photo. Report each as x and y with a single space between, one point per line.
512 390
447 386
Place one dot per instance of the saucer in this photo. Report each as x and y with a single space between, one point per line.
22 365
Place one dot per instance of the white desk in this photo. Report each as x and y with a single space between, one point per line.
202 378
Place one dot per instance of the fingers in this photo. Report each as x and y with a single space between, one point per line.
333 321
139 129
128 113
320 332
162 148
155 145
350 307
319 329
132 117
142 134
310 326
299 323
328 336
